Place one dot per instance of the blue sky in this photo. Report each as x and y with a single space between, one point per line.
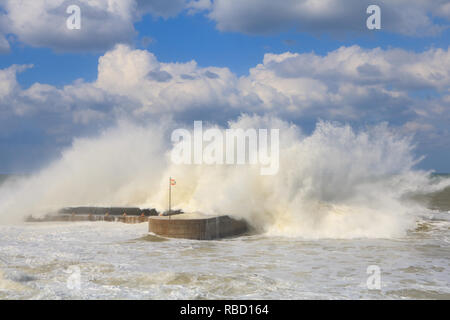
219 40
186 37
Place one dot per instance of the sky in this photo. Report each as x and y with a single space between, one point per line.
299 60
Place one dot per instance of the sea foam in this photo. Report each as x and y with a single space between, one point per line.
337 182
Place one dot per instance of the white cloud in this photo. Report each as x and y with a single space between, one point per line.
8 84
195 6
347 83
409 17
7 81
407 89
160 8
443 10
104 23
413 126
163 87
4 44
42 23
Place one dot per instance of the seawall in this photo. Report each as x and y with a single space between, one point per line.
203 228
88 217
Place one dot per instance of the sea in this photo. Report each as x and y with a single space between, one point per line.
104 260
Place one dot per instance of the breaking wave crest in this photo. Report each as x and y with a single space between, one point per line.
336 182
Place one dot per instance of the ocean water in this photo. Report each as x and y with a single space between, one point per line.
348 215
101 260
119 261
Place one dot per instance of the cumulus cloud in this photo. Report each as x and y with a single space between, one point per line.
350 81
195 6
164 87
347 83
4 44
160 8
42 23
10 89
407 89
409 17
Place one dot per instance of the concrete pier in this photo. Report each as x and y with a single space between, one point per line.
110 214
112 211
197 227
88 217
194 226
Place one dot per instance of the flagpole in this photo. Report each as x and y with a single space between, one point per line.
170 195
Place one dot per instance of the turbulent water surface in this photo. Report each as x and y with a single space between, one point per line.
343 203
101 260
113 260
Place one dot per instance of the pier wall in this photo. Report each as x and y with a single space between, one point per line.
197 229
112 211
90 217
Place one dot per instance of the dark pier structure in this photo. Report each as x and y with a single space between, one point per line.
110 214
197 227
174 224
